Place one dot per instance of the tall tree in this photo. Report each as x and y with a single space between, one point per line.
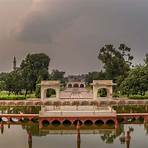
57 75
136 82
94 76
33 67
146 59
116 62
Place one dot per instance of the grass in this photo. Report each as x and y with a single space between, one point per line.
4 96
138 97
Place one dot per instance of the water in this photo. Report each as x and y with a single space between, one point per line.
30 136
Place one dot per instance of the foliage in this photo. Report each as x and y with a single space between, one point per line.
131 108
24 79
138 97
34 66
116 62
102 92
57 75
12 97
94 76
136 83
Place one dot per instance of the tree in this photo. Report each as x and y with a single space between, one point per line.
116 62
33 68
146 59
136 82
2 82
58 75
13 82
94 76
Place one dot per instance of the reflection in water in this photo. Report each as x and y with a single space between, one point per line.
30 139
123 135
78 139
78 135
126 138
2 128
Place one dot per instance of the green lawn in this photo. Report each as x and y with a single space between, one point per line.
4 96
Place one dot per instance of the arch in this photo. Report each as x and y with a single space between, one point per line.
50 92
5 119
82 86
67 123
14 120
110 122
70 85
102 92
76 122
55 122
99 122
88 123
45 123
103 84
47 85
76 85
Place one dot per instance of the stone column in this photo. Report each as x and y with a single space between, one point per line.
57 93
110 92
95 91
42 94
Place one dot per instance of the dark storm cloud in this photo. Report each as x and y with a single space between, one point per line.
123 20
46 18
71 32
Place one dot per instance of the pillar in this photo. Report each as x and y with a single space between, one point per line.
95 91
116 124
110 90
57 93
42 94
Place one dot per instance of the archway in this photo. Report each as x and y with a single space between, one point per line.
50 92
45 123
67 123
56 123
76 122
88 123
110 122
76 85
103 84
99 123
102 92
46 86
69 85
81 85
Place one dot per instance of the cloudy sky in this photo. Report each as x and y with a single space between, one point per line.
71 32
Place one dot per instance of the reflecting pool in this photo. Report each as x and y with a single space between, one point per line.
30 136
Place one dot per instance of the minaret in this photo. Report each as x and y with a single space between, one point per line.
14 63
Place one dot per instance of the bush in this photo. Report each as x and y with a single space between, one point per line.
11 97
138 97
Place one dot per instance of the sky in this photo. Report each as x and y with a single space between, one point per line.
71 32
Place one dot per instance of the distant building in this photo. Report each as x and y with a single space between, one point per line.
76 78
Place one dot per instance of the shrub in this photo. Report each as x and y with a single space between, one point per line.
138 97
